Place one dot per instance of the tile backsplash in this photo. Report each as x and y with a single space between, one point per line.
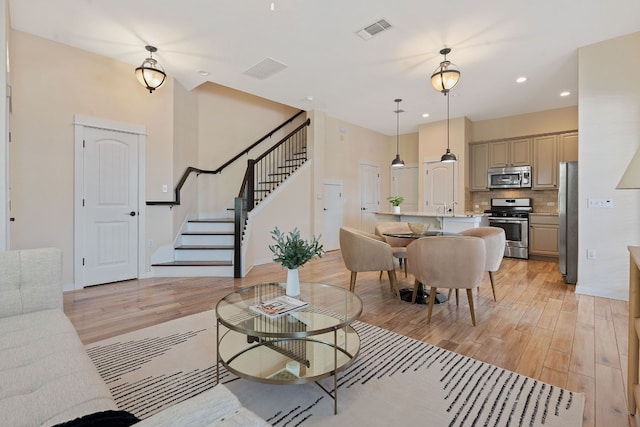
479 201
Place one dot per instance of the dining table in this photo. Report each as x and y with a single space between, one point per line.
422 297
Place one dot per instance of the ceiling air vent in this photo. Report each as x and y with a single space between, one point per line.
265 68
376 28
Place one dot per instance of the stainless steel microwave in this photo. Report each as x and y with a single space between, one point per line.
510 177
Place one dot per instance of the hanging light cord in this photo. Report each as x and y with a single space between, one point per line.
397 127
447 121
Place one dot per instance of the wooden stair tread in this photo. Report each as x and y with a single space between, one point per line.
212 220
208 233
193 264
200 247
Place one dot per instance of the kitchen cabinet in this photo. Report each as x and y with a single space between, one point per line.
478 165
542 152
516 152
568 147
548 152
543 235
545 163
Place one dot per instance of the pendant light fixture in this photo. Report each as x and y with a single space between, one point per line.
397 162
446 76
150 74
443 79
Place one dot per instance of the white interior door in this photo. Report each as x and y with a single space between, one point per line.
439 186
404 182
108 245
369 196
332 197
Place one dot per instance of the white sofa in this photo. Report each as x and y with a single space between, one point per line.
46 377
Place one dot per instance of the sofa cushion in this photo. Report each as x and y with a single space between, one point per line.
46 376
31 280
215 407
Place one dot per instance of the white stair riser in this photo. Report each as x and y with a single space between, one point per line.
206 239
227 227
203 255
192 271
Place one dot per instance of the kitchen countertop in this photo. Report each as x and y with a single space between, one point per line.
432 215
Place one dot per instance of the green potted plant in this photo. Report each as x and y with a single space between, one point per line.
292 252
395 202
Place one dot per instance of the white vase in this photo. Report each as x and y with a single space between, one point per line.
396 209
293 283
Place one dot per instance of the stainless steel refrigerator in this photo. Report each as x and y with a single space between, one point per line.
568 215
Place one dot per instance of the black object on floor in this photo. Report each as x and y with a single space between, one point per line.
422 296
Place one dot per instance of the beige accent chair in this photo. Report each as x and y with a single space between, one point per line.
362 251
398 245
495 240
450 262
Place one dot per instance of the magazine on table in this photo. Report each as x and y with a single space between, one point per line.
278 306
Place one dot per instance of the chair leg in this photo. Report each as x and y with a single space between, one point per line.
416 286
473 313
493 288
380 278
405 268
393 280
352 282
432 300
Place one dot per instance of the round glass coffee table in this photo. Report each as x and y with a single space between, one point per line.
306 345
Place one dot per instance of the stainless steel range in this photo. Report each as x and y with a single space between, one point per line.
512 215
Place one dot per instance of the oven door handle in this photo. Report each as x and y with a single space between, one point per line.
507 221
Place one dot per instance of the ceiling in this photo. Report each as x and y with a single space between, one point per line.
330 68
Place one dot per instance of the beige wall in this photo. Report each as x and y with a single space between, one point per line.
228 122
562 119
346 147
609 136
51 83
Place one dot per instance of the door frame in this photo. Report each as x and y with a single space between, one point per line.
340 184
79 123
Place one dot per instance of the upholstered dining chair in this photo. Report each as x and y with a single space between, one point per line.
362 251
398 244
449 262
495 240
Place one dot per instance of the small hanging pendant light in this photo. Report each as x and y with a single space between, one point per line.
397 162
150 74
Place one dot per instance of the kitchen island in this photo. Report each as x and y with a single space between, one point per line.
450 223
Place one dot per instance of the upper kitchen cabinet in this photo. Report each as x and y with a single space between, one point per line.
516 152
568 147
478 165
545 162
548 152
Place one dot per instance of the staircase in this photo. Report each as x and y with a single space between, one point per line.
209 247
204 248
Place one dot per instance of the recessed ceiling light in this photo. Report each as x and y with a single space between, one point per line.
521 79
425 115
203 73
565 93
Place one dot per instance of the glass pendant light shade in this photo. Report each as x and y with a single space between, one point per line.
397 162
446 76
150 74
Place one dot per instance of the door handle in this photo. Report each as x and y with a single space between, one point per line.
325 209
132 213
363 209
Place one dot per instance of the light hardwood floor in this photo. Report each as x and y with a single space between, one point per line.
538 327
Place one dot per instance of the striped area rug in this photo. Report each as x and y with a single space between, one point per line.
395 380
